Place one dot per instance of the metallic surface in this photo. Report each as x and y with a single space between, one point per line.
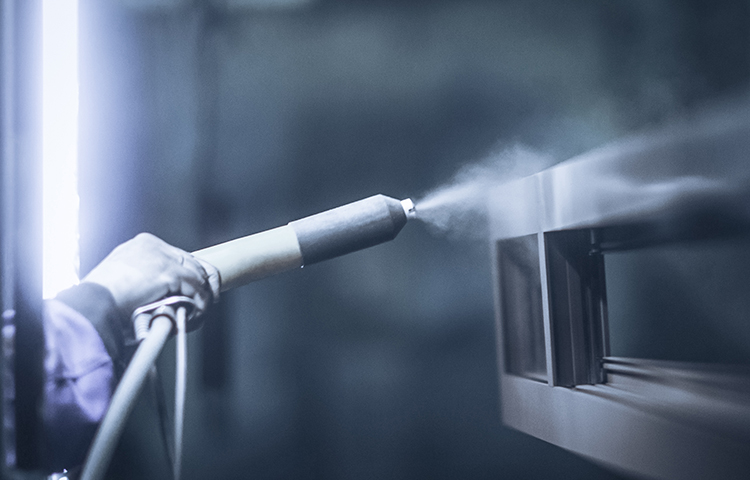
650 418
409 208
698 167
617 425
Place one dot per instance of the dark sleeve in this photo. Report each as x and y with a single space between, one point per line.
97 305
79 382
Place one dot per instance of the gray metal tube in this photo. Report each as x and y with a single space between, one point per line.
330 234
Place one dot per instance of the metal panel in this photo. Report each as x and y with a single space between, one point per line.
521 307
608 425
680 177
655 419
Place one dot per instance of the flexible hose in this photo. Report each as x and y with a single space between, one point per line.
124 398
157 392
179 389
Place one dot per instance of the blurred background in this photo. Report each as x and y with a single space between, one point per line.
201 121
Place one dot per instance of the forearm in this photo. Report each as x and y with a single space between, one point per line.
85 351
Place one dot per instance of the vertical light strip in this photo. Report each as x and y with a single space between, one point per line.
7 233
60 145
7 141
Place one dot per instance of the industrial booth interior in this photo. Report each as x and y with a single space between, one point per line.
452 352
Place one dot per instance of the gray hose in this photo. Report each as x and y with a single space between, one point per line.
124 399
180 390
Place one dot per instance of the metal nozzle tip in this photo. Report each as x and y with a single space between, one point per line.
409 208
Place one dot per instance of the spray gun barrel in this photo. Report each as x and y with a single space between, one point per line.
319 237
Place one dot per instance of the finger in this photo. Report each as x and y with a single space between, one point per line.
189 262
194 283
214 278
201 297
209 274
188 276
175 251
182 281
203 269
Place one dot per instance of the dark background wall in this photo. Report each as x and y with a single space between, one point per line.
204 121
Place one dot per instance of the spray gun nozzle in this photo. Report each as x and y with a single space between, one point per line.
409 208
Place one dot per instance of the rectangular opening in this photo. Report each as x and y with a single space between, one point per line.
685 301
577 307
521 312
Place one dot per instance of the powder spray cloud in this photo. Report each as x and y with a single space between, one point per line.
458 209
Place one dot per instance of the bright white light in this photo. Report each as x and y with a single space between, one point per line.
60 145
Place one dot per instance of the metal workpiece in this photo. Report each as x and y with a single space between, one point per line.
254 257
680 175
596 239
349 228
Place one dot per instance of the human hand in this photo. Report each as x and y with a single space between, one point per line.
145 269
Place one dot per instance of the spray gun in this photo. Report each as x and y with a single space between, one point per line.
313 239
